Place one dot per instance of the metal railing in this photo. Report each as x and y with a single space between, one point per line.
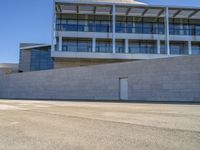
141 30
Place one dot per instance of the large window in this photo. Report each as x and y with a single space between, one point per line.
101 23
196 48
144 47
41 59
84 23
163 47
77 45
104 46
178 48
126 24
120 46
184 27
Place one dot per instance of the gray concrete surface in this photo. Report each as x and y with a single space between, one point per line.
38 125
171 79
8 68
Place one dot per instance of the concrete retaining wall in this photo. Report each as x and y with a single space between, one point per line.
171 79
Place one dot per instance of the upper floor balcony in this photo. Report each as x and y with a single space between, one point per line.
126 23
126 18
128 27
127 47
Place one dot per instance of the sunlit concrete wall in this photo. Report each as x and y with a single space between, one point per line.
86 62
170 79
8 68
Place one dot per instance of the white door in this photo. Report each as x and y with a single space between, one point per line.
123 91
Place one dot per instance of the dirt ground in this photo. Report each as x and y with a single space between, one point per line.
48 125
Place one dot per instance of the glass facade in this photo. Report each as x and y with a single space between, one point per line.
120 46
163 49
184 27
41 59
104 46
196 48
84 23
144 47
134 46
126 24
179 48
77 45
176 48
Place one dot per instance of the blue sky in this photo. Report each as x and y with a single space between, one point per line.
30 21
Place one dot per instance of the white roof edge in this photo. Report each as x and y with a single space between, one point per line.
132 4
36 46
99 2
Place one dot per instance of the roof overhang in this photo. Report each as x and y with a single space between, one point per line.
126 9
35 46
101 2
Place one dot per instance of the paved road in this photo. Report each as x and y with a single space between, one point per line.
34 125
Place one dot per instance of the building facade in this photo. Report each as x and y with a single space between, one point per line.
123 30
90 32
35 57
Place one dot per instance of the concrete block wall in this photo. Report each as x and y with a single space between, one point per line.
86 62
170 79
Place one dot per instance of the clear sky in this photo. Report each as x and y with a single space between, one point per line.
30 21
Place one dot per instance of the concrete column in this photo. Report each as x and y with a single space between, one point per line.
113 28
158 46
93 45
60 43
126 46
167 30
53 44
189 47
53 40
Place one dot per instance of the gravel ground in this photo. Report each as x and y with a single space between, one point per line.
39 125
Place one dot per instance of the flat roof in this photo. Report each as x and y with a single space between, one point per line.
126 3
102 1
26 46
128 9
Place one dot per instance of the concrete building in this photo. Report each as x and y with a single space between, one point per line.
34 57
122 30
90 32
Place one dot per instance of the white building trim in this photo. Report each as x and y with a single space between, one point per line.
60 43
93 45
158 46
189 47
167 42
126 45
113 28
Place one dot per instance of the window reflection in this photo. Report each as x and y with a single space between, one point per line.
41 59
77 45
196 48
145 47
178 48
126 24
104 46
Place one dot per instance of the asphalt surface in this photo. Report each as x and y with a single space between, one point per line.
38 125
